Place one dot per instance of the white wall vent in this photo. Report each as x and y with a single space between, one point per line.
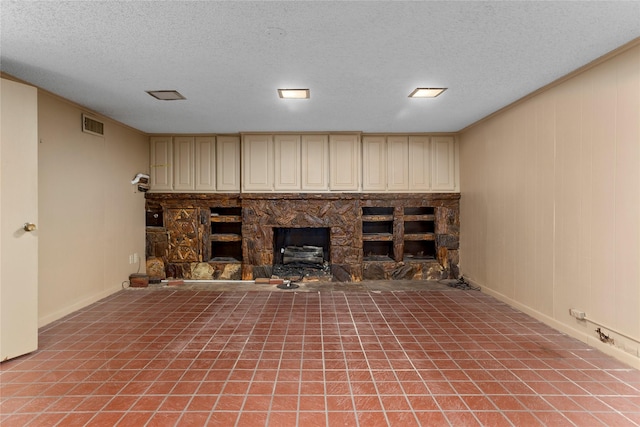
92 126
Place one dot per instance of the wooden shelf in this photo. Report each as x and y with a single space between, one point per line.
226 218
419 236
377 237
408 218
225 238
377 218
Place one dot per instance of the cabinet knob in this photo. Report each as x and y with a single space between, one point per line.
29 226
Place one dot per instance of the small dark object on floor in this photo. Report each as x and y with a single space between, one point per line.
287 285
464 285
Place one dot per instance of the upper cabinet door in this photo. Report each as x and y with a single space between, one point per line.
205 153
419 163
345 162
287 162
374 163
183 158
257 163
228 163
443 166
160 163
315 162
398 163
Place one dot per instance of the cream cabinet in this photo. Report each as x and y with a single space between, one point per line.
313 162
344 164
257 162
416 163
314 159
374 163
195 163
228 163
160 163
205 163
419 163
398 163
385 163
183 163
287 162
443 165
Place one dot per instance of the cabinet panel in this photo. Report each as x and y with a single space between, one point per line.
228 163
183 157
419 163
374 163
184 239
345 162
287 162
398 163
443 165
257 163
315 162
205 157
160 163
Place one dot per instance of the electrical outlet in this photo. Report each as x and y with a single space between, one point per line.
580 315
136 258
130 259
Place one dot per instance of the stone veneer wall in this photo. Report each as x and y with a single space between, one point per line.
341 213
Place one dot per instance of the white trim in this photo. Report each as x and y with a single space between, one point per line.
608 349
56 315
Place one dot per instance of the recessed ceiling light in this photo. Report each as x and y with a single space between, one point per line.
427 92
294 93
166 95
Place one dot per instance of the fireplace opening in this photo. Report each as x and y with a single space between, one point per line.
301 252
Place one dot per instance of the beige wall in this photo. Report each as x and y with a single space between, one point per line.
550 206
90 218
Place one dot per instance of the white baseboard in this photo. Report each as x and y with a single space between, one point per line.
58 314
608 349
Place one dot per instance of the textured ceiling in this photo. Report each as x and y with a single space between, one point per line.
359 59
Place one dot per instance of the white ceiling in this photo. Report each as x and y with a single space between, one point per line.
359 59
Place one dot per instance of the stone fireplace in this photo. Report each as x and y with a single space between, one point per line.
263 213
361 236
372 236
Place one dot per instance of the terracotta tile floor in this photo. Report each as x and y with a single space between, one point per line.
284 358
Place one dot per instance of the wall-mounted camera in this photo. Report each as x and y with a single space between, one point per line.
142 182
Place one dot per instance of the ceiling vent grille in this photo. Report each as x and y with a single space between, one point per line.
92 126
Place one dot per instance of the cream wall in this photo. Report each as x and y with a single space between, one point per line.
91 219
550 205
